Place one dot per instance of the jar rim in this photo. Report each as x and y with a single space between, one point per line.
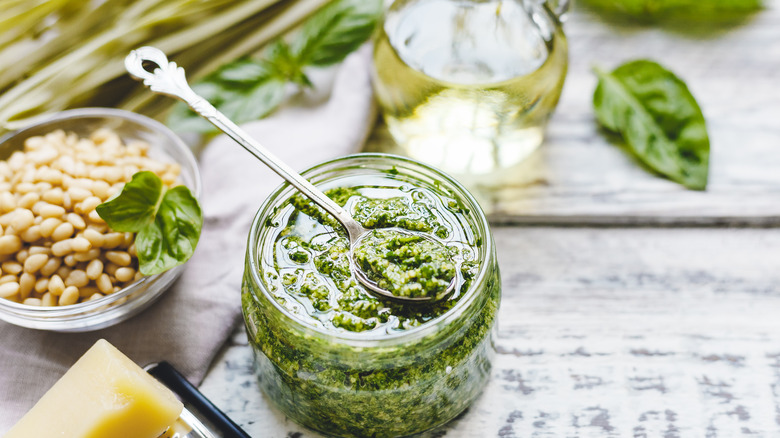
373 339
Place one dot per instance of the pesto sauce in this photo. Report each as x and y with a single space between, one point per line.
311 273
406 265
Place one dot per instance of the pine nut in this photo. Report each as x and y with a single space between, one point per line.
48 300
21 256
110 268
5 220
39 250
31 234
9 278
23 219
78 194
95 217
10 244
119 258
25 187
104 284
69 296
51 266
87 256
124 274
76 220
88 204
95 296
70 260
95 238
48 226
35 262
51 210
94 269
63 271
66 202
8 290
7 202
61 248
12 268
51 176
77 278
100 189
26 285
86 292
56 285
62 232
112 240
32 302
80 244
42 285
100 228
54 196
28 200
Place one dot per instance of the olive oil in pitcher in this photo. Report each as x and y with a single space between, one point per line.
468 85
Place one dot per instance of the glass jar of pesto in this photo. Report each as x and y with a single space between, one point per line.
333 357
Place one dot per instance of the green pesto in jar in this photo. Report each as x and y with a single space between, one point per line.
311 274
405 264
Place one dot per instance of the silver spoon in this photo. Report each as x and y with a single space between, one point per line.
169 79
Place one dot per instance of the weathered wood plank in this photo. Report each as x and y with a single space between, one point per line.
579 176
607 333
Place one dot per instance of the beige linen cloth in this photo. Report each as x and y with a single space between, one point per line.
190 323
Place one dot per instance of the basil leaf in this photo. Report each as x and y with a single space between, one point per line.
134 207
245 70
243 90
257 103
338 29
658 118
171 239
681 11
168 222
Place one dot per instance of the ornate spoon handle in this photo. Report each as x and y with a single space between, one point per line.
168 79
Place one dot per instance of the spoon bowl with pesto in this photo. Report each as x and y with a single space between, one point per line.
394 263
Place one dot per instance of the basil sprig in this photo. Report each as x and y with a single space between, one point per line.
658 118
168 221
249 89
684 12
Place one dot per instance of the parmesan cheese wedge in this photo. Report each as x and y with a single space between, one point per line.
104 395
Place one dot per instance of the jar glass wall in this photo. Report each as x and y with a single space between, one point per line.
380 382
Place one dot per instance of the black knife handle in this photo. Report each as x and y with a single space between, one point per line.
176 382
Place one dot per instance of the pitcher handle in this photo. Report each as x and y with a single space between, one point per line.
560 8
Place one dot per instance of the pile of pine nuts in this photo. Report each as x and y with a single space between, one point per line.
54 247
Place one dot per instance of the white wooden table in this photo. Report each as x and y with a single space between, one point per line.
631 307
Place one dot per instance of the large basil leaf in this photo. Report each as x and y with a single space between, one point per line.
135 205
658 118
170 240
678 11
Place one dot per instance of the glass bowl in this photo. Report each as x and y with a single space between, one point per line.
121 305
379 382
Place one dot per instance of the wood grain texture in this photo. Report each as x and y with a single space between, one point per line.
580 175
624 332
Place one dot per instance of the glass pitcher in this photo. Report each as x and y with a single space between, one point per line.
468 85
